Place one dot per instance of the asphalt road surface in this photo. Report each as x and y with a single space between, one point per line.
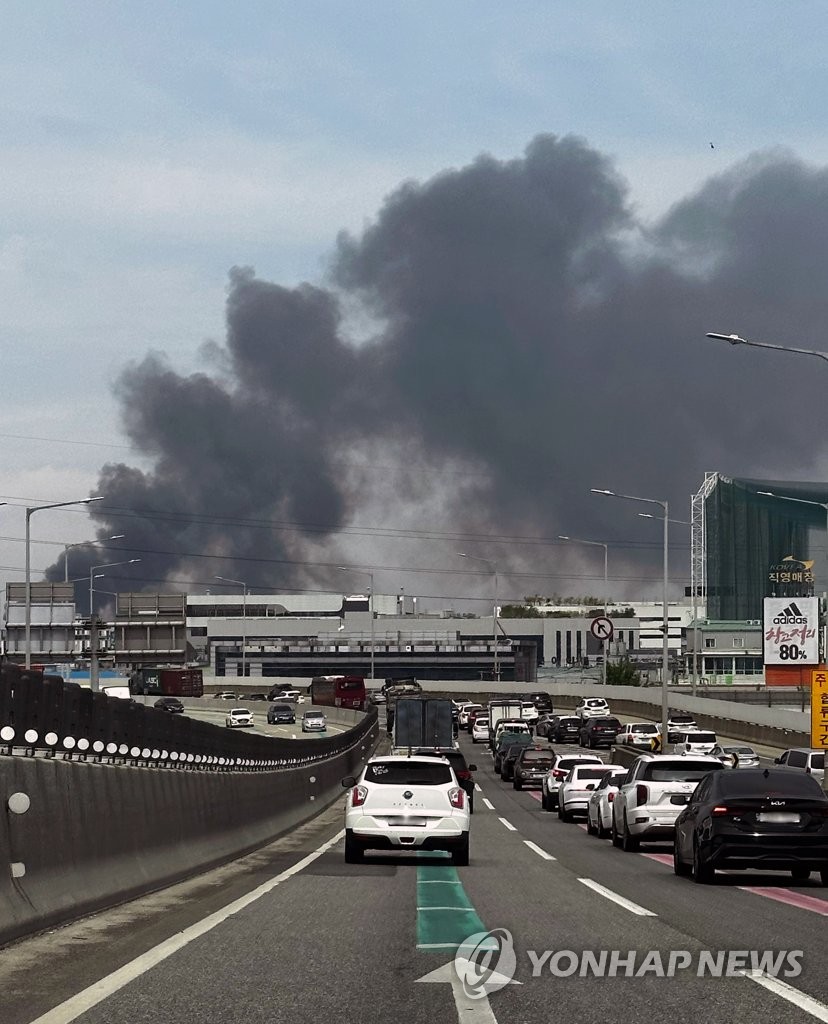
309 938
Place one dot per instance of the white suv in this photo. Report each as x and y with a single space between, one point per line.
696 742
480 729
562 764
400 803
656 790
592 707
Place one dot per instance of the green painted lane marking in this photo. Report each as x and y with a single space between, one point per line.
445 915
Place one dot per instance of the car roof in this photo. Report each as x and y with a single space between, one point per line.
405 757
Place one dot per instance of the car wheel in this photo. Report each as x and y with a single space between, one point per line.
600 831
679 867
591 830
460 854
563 814
629 843
823 876
471 803
517 783
703 873
354 852
800 874
546 802
474 740
616 839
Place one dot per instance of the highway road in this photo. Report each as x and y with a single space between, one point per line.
293 934
209 712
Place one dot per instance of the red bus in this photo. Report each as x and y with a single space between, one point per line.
339 692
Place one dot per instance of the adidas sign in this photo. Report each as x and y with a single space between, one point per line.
791 616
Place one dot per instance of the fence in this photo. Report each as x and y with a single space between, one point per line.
42 715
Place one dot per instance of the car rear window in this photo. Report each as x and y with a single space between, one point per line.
569 762
641 728
777 784
537 755
606 723
818 761
408 773
569 720
685 770
591 773
701 737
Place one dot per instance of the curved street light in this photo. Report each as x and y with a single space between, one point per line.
665 650
30 511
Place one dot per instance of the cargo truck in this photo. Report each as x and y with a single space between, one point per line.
422 722
502 709
167 682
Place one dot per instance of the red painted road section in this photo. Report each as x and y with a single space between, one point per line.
793 899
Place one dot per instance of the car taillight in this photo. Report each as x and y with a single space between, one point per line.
610 797
558 773
358 796
642 794
720 812
464 774
457 798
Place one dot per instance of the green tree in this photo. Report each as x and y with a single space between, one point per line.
622 673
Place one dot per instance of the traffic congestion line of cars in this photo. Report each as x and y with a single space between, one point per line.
714 803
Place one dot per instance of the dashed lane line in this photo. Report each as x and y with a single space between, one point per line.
621 901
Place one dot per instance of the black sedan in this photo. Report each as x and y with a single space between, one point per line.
508 761
171 704
773 819
564 729
599 732
281 714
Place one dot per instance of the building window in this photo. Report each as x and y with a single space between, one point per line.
710 641
748 666
738 641
568 647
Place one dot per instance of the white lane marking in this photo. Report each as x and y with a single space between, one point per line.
538 850
602 890
78 1004
488 803
469 1011
479 790
508 824
438 881
793 995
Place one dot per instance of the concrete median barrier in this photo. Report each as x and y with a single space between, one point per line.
76 837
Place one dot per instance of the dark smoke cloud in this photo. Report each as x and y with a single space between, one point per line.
529 327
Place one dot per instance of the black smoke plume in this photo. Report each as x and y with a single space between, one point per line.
532 339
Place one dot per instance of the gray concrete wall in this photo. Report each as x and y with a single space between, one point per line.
96 835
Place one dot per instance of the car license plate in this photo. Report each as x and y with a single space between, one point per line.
778 818
680 798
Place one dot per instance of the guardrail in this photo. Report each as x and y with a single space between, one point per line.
43 716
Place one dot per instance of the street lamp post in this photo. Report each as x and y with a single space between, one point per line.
694 673
735 339
370 575
243 585
81 544
30 511
665 651
488 561
93 628
597 544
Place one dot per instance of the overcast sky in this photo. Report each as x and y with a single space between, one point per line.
150 148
